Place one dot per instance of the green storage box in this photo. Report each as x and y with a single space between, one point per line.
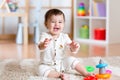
84 32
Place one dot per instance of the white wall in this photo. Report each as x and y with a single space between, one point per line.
114 21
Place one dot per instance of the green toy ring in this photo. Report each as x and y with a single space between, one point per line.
90 68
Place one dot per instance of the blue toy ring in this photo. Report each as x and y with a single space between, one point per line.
90 68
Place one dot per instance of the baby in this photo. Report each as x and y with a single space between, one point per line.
56 48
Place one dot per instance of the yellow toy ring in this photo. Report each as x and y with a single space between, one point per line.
103 76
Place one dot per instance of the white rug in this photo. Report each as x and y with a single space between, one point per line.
11 69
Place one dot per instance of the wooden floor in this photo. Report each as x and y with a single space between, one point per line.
9 49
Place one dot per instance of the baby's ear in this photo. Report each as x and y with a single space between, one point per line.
45 24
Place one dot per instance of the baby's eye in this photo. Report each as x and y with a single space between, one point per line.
53 21
60 22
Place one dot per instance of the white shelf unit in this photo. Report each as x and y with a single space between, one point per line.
109 22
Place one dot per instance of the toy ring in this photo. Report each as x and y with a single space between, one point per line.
103 76
90 68
91 78
108 71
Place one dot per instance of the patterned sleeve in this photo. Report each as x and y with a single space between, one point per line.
67 39
43 36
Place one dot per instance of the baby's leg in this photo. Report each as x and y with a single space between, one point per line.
75 64
54 74
81 69
47 71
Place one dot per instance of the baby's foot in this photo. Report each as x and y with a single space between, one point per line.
88 74
64 76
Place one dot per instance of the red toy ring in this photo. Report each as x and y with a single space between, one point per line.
90 78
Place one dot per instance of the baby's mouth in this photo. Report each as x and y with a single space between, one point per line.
56 29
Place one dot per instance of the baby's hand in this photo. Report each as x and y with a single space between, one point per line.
44 44
88 74
74 46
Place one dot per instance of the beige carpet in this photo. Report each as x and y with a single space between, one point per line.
11 69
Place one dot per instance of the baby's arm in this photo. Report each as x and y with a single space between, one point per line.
72 46
43 45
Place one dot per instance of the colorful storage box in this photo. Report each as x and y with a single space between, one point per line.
100 34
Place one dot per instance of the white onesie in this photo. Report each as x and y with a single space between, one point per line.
57 55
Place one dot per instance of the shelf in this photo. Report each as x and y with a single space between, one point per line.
100 42
83 17
102 15
99 18
12 14
83 12
89 17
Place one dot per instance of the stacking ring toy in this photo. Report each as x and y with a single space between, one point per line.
90 68
108 71
103 76
91 78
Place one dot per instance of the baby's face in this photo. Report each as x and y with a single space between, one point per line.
55 24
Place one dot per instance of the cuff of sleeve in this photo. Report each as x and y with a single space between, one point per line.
42 50
74 52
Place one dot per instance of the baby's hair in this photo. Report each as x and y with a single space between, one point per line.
51 12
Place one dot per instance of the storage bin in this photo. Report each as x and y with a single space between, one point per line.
99 34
